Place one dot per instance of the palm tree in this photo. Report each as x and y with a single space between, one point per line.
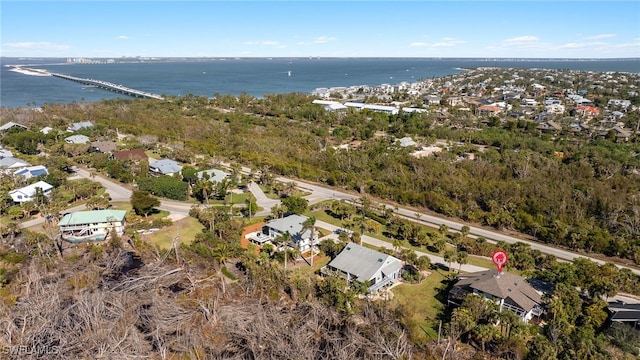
461 258
310 224
283 241
449 257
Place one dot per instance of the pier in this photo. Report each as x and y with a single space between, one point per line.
105 85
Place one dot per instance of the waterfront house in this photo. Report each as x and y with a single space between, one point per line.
165 167
358 263
94 225
508 291
27 193
77 139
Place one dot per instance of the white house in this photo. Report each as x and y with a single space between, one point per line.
94 225
32 171
293 224
27 193
358 263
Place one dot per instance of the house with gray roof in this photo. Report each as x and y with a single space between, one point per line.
508 291
27 193
10 125
5 153
77 139
293 224
358 263
164 167
79 126
12 163
94 225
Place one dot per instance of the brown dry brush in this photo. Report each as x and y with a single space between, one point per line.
118 308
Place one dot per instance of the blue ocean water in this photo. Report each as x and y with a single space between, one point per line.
255 77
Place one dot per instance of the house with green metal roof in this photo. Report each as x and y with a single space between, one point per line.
93 225
358 263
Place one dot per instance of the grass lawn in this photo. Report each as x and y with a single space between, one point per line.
421 305
186 228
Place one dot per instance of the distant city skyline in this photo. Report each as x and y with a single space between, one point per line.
475 29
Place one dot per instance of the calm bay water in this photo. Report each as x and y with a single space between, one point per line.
255 77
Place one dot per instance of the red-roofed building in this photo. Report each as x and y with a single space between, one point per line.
589 111
489 110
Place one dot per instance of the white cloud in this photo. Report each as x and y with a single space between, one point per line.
522 41
600 36
418 44
123 37
448 42
36 45
324 39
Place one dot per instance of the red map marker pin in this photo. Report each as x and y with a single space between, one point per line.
499 258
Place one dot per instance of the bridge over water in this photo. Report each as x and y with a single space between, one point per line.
105 85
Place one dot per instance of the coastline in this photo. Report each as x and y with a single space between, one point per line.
30 71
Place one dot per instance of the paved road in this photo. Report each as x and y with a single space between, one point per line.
380 243
321 193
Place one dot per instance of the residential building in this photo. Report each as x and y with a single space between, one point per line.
94 225
11 125
212 175
508 291
358 263
79 126
27 193
104 146
31 171
77 139
135 154
293 224
12 163
165 167
625 313
4 153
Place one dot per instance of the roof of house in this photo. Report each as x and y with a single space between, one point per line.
30 190
104 146
80 125
214 175
292 224
135 154
11 161
11 124
363 262
32 171
624 312
166 166
77 139
93 216
513 288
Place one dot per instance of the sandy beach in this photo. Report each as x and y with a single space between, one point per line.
29 71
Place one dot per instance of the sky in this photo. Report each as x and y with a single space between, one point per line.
357 28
